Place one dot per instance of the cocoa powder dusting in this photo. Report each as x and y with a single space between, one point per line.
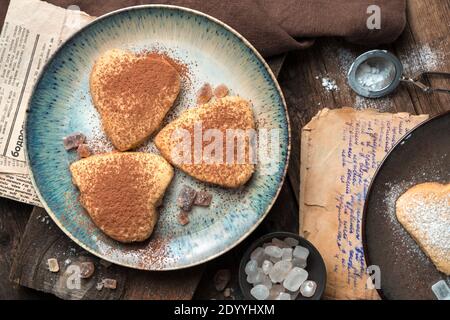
119 196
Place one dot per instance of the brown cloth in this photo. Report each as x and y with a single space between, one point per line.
273 26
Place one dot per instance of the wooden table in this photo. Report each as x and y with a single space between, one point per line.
423 46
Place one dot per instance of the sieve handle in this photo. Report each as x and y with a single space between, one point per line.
422 81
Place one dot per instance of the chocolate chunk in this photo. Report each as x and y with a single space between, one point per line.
86 270
74 140
83 151
110 283
203 199
221 91
183 218
204 94
186 198
53 265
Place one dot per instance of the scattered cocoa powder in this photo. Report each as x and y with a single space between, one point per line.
105 263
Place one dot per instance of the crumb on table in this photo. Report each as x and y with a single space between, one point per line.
86 270
84 151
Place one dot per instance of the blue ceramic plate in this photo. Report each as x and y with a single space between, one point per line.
61 104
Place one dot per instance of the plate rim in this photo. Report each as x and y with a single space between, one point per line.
248 45
371 187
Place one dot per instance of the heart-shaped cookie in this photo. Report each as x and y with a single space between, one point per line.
121 191
424 211
132 93
212 142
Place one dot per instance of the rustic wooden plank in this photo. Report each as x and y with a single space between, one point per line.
43 240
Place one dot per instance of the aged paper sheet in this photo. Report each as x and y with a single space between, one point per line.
340 152
31 33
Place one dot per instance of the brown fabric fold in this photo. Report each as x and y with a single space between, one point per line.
279 26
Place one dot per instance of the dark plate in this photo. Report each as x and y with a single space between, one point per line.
316 266
421 156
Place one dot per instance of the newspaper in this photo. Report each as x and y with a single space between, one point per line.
31 33
340 152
